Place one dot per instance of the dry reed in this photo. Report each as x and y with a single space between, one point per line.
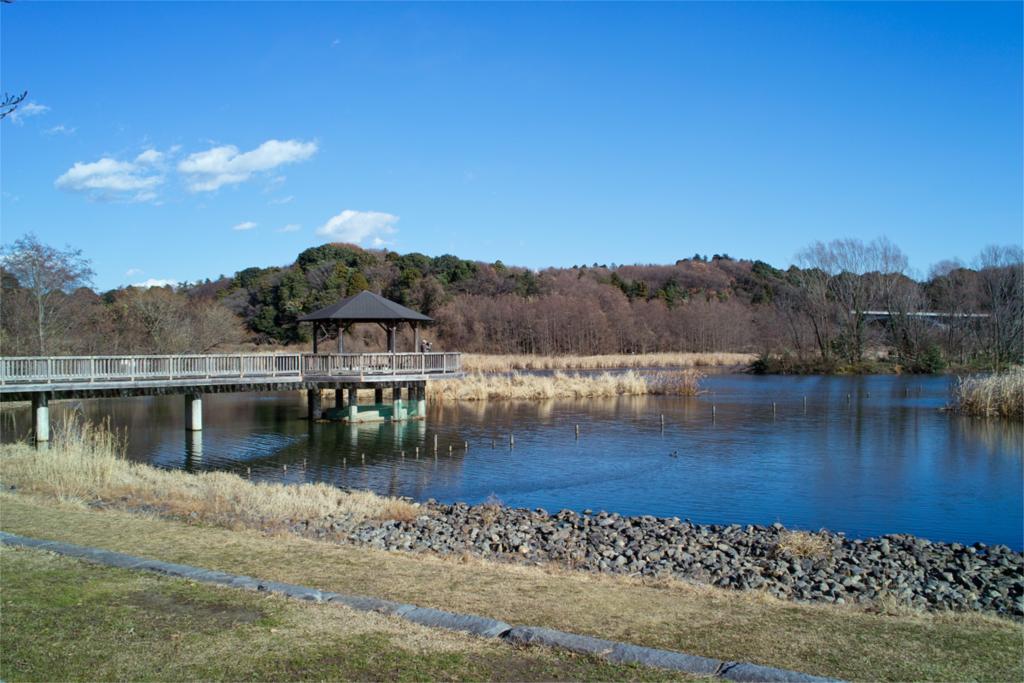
482 387
804 544
86 462
999 395
473 362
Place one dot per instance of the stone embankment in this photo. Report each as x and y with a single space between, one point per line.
891 569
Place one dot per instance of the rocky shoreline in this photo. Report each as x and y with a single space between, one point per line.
897 568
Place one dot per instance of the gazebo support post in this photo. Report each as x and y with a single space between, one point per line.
378 395
421 400
415 337
353 404
396 403
313 402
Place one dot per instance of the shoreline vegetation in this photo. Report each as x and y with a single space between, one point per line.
504 363
999 395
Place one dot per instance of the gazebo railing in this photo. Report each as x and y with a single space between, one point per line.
293 366
335 364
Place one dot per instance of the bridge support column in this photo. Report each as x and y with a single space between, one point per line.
421 400
353 404
193 412
41 417
378 395
396 403
339 398
314 405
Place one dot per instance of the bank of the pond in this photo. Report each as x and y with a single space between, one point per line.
824 567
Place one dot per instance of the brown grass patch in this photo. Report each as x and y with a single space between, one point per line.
560 385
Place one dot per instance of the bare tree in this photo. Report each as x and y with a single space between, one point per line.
46 276
1001 280
859 275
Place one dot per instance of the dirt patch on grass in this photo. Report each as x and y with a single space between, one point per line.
216 614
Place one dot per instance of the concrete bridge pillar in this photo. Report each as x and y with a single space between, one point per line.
378 395
193 412
421 400
353 404
396 403
314 404
339 398
41 417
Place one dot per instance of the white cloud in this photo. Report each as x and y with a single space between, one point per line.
153 282
225 165
247 225
149 156
291 227
357 226
132 272
27 110
282 200
60 129
109 179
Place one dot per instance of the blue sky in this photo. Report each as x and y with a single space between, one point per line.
539 134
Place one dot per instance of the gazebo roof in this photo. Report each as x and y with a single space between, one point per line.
366 307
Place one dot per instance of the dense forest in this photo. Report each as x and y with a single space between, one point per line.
808 317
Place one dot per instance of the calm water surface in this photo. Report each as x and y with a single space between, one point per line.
884 460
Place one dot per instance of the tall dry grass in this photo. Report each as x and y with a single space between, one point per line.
999 395
85 462
475 362
482 386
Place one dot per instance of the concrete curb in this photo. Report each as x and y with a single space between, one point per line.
610 650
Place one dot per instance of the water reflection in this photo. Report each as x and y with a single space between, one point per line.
864 455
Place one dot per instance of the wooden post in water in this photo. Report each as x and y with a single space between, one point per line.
805 405
714 412
773 410
449 449
663 422
435 443
511 440
577 432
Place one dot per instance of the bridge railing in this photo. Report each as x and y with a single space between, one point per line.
295 366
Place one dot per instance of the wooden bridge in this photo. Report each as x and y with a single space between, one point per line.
40 379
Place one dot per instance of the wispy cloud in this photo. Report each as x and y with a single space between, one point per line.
132 272
111 180
27 110
247 225
291 227
359 226
60 129
226 165
282 200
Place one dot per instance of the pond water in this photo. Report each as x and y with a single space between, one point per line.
868 455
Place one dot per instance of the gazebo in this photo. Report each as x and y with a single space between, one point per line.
364 307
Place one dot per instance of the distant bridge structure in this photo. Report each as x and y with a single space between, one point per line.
938 317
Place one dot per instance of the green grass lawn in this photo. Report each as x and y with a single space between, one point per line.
64 619
843 642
